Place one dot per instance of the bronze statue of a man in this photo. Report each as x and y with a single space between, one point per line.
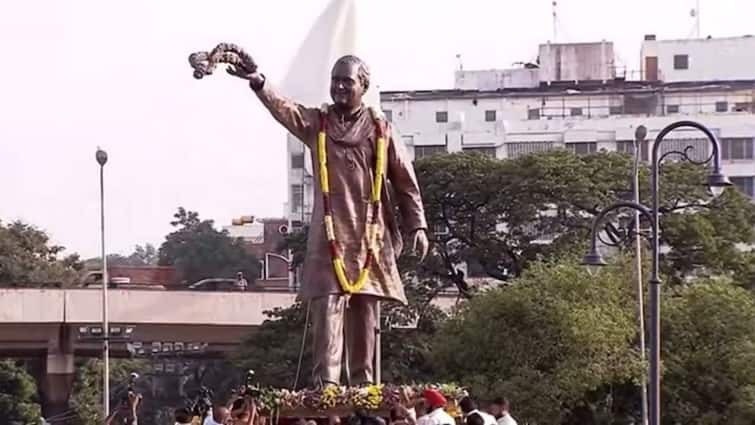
345 213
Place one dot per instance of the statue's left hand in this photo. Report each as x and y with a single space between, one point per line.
420 244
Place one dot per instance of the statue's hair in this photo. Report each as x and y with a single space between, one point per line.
363 71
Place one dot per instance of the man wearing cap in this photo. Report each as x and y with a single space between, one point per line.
436 404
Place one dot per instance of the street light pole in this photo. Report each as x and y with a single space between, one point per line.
639 137
101 157
717 182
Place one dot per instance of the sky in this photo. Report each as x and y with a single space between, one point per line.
80 74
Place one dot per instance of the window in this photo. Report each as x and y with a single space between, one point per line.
515 150
722 106
699 152
744 184
672 109
484 150
533 114
489 116
441 116
582 148
743 106
297 160
734 148
388 115
627 146
297 197
423 151
681 62
575 112
615 110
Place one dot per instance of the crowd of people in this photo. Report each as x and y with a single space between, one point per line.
431 408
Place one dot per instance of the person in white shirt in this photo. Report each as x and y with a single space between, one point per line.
436 404
241 282
468 408
217 415
500 410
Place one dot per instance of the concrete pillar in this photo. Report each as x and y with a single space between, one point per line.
56 384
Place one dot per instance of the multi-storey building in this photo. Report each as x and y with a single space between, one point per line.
575 97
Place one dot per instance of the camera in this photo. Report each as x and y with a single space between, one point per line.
251 389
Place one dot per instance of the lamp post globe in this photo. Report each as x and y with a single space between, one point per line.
640 132
717 182
101 157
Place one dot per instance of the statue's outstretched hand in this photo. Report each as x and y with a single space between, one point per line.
420 244
254 77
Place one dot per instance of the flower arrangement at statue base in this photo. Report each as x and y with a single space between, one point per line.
335 400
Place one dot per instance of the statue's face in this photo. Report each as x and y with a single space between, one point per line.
346 89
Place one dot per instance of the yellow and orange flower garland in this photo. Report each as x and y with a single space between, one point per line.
371 397
336 253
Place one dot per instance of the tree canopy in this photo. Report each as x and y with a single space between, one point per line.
709 355
27 258
199 251
558 343
496 214
18 395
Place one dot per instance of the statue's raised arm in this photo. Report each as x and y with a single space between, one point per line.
297 119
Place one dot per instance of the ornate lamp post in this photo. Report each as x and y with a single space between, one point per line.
717 181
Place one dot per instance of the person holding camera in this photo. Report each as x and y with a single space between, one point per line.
126 411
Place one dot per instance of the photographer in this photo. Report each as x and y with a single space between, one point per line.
201 405
126 412
127 408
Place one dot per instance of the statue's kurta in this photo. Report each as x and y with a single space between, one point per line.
351 162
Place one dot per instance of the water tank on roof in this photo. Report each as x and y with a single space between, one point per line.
577 62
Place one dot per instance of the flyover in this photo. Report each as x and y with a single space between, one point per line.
46 323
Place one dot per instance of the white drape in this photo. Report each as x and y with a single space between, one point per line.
335 33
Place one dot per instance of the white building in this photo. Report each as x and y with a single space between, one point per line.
703 59
575 98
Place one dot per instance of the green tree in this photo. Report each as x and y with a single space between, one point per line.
199 251
559 343
18 395
495 214
28 259
709 356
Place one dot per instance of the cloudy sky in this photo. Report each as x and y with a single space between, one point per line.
77 74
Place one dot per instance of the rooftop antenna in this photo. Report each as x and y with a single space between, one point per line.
695 13
555 20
